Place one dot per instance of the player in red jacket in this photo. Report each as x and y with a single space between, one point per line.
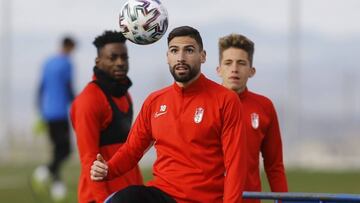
102 115
196 128
260 119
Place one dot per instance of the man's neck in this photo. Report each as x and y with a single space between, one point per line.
186 84
241 90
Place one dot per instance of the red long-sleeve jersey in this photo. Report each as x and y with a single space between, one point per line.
199 139
90 114
263 135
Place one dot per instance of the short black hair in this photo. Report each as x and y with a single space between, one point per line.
108 37
184 31
68 41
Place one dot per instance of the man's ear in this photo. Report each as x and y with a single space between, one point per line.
203 56
218 69
97 61
252 72
167 57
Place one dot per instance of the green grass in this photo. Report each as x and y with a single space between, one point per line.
324 181
14 185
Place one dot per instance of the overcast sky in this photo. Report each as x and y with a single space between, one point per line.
330 17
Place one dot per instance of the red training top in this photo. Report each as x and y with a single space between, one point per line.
199 140
263 135
90 114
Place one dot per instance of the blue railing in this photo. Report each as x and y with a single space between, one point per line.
298 197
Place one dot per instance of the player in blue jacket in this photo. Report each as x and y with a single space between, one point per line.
55 94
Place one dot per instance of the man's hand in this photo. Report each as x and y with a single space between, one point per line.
99 169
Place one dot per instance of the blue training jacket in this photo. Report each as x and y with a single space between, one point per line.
55 91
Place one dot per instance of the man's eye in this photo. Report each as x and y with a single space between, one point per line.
190 51
227 63
125 57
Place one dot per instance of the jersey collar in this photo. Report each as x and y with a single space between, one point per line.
194 87
244 93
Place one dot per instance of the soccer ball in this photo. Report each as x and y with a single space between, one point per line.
143 21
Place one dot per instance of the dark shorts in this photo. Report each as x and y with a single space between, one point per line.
140 194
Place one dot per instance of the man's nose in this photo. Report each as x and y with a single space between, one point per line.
181 56
234 68
120 62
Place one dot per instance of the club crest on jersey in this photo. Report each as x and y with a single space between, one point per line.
255 120
163 108
199 112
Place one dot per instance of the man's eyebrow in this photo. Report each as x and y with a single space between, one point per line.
186 46
190 46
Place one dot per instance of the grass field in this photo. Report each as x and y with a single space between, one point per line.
14 184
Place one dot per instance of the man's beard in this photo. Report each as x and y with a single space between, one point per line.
192 73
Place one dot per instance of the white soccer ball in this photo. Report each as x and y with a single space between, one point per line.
143 21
